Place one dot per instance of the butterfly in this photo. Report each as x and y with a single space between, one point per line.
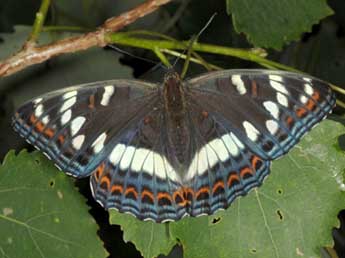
163 151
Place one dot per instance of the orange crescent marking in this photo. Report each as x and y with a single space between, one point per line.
105 180
61 139
162 195
181 192
204 189
178 193
310 105
99 171
246 170
316 96
300 112
33 119
131 190
118 188
232 178
49 132
38 125
255 159
289 120
148 194
219 184
188 190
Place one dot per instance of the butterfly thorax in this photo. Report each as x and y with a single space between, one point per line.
175 106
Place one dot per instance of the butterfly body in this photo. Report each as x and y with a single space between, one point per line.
175 115
164 151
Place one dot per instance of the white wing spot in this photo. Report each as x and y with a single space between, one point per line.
237 81
272 126
251 131
308 89
149 164
202 161
303 99
127 158
142 160
116 154
77 123
274 77
307 79
68 104
138 159
66 117
279 87
237 141
108 92
159 166
98 144
218 146
39 110
45 119
272 108
78 141
69 94
282 100
230 145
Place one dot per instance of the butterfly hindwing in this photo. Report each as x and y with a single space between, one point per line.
137 177
222 167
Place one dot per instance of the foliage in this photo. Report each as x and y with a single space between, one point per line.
41 213
291 215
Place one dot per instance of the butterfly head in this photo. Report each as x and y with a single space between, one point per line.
171 76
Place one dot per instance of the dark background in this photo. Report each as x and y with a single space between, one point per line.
320 53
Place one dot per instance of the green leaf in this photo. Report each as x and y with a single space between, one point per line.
150 238
272 23
290 215
41 212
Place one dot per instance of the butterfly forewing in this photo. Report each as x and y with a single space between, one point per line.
75 127
268 110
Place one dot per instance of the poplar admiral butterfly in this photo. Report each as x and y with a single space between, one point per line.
164 151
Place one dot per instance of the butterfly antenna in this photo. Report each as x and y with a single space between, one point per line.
190 47
137 57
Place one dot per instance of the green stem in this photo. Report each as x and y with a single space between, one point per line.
202 62
39 21
161 57
124 38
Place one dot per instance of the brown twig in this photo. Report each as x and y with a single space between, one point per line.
38 54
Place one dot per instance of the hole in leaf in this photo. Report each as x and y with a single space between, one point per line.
216 220
280 215
52 183
280 191
253 250
37 161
